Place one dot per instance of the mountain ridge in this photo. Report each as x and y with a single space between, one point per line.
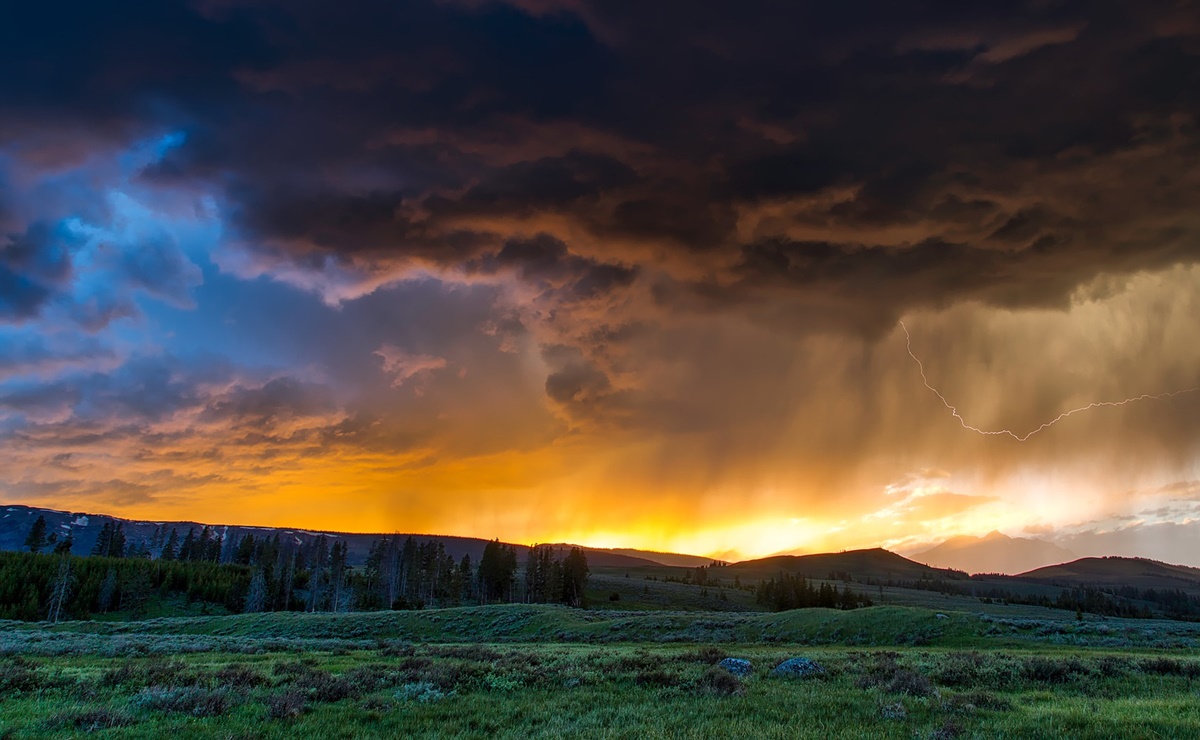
84 527
994 552
1115 569
874 563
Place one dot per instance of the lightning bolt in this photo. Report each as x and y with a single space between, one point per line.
1047 425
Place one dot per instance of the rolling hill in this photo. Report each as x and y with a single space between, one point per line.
861 565
1116 572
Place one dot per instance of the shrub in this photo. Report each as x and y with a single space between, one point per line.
449 676
193 700
893 678
638 662
396 648
707 654
1112 665
958 669
370 678
894 711
288 705
415 665
91 720
979 700
719 681
153 671
477 653
324 686
1049 670
498 682
237 676
947 731
18 676
1169 667
905 681
656 677
519 661
422 691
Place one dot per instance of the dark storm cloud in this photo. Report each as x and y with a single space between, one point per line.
547 264
439 131
32 266
82 62
867 158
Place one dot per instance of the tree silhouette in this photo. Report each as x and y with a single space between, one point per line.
37 535
574 577
63 547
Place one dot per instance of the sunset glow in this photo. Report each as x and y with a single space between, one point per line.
554 272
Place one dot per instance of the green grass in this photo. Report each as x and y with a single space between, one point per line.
603 691
873 626
544 671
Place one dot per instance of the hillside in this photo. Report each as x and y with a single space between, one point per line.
662 558
15 521
993 553
874 564
1116 572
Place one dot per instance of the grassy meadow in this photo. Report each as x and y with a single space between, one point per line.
549 671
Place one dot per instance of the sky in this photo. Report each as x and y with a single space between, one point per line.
624 274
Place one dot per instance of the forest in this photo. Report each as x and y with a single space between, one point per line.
261 574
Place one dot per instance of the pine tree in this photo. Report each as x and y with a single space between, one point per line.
245 550
574 577
171 550
103 541
116 548
466 578
64 545
203 545
211 551
187 549
497 568
37 535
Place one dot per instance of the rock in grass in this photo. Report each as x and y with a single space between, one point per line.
798 668
737 666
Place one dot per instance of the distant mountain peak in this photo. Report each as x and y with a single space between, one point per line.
994 552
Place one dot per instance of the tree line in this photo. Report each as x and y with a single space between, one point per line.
789 591
272 573
36 587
